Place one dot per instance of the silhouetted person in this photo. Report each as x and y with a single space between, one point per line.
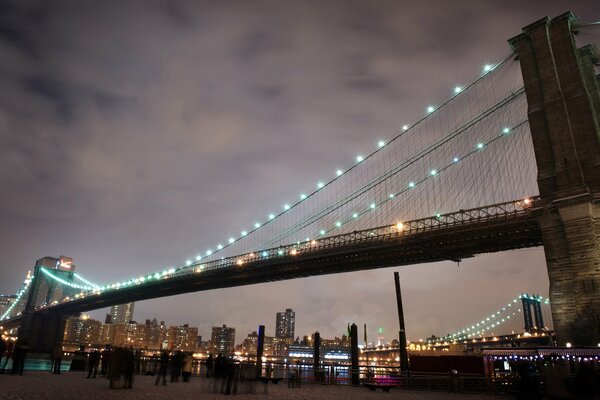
93 361
3 347
19 355
210 365
8 355
57 354
220 373
176 364
162 369
116 368
128 368
186 367
105 358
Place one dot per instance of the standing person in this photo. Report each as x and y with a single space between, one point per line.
128 368
176 363
186 368
19 355
93 361
116 368
3 347
210 364
105 358
9 353
56 359
164 365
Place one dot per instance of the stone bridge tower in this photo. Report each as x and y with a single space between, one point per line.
563 109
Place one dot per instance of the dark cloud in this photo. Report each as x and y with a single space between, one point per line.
132 134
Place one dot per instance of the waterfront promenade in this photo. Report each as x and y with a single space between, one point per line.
42 385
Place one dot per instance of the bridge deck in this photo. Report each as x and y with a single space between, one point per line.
453 236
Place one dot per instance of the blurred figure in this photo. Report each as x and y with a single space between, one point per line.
210 364
19 355
93 361
117 361
57 354
7 356
128 368
186 368
163 366
176 363
105 358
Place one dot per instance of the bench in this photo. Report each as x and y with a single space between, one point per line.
383 386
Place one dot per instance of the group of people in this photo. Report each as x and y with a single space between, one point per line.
16 352
180 363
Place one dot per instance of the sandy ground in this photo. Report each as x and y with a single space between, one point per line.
74 385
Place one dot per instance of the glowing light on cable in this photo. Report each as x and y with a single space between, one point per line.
339 172
488 68
411 184
430 109
286 207
302 196
457 89
455 159
404 127
506 130
320 185
359 158
244 233
480 145
338 224
373 205
433 172
381 143
271 216
231 240
354 215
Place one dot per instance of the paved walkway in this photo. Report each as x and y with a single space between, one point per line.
74 386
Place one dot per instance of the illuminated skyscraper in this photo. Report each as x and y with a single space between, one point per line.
222 340
121 314
286 324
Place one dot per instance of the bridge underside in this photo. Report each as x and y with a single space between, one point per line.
453 244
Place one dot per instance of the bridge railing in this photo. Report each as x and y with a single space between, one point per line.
489 214
492 214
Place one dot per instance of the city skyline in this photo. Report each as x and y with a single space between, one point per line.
264 114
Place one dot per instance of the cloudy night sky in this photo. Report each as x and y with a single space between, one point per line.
136 133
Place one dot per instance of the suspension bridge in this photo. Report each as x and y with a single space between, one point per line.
509 161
